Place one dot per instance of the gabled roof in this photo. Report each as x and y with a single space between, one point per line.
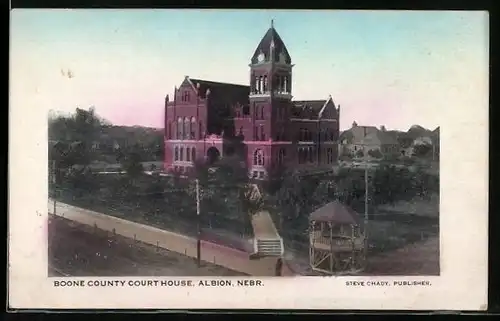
417 131
228 93
271 37
379 138
308 108
355 135
369 135
337 213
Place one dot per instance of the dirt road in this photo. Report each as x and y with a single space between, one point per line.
79 250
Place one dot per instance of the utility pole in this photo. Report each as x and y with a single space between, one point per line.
54 183
198 240
366 207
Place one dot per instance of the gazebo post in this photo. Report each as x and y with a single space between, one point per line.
312 240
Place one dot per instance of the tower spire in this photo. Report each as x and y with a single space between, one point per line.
272 23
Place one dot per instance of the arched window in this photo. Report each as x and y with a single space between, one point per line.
262 133
258 157
285 84
261 112
310 152
192 128
200 131
265 84
256 85
302 155
176 153
193 154
261 83
186 128
188 154
179 128
181 154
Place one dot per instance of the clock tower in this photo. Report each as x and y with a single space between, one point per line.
270 94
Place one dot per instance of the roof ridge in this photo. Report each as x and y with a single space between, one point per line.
217 82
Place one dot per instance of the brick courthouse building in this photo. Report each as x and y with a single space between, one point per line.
207 120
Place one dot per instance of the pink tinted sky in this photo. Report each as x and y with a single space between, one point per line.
384 68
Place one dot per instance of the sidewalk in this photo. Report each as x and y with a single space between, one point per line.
210 252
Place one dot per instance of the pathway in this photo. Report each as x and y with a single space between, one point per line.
213 253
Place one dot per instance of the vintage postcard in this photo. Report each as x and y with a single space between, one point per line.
194 159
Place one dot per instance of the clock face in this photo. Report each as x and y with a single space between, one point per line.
260 58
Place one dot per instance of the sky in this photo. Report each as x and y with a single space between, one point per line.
389 68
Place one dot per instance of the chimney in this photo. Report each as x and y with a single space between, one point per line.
354 124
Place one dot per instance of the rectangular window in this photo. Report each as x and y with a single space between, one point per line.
262 134
261 174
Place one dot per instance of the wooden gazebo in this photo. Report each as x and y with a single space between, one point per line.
337 242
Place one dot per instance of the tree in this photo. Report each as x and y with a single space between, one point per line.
293 198
75 135
325 192
132 165
422 150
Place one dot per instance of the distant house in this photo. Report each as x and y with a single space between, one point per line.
422 136
367 139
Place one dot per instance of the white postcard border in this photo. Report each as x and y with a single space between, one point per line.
462 284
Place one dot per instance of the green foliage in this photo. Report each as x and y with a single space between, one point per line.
85 128
422 150
132 165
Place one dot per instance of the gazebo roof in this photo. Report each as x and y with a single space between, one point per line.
337 213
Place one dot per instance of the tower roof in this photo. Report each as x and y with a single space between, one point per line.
272 38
